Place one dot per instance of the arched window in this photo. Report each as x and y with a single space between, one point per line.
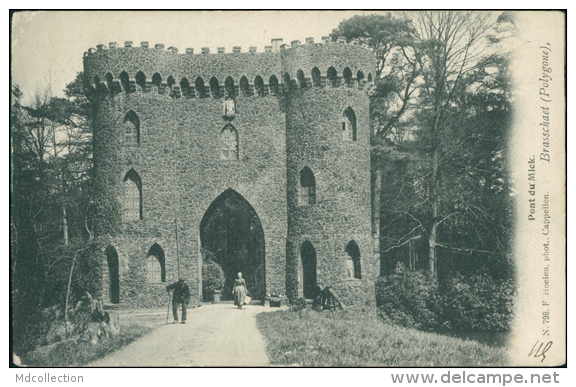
214 87
301 79
98 84
287 83
307 187
353 260
155 264
157 81
244 86
229 87
259 85
229 143
125 81
141 80
132 196
170 82
359 77
349 125
347 75
273 83
110 82
185 87
131 129
316 77
332 77
200 90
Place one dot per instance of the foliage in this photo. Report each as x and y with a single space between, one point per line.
50 192
408 298
212 277
474 303
299 304
477 303
391 37
350 339
74 354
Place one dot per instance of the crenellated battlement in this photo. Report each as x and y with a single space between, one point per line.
235 49
281 68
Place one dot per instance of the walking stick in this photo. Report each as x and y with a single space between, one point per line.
168 311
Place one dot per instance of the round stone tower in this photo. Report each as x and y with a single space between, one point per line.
275 144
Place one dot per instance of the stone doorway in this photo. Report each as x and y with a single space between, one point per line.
309 284
113 274
232 237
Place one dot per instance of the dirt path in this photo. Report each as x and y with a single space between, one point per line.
214 335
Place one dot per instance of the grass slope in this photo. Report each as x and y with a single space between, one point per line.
73 354
349 339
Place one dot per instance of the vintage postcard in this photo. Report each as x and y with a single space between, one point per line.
288 188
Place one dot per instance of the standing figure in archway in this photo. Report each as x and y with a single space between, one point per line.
239 291
181 296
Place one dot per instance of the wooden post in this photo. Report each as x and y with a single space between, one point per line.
177 248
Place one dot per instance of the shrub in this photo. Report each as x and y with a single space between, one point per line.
299 304
477 303
212 277
407 298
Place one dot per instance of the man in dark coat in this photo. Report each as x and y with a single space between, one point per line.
181 295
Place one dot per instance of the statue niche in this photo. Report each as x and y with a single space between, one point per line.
229 108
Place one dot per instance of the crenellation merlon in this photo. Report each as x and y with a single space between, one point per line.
276 46
305 66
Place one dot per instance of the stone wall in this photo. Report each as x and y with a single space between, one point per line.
342 172
181 173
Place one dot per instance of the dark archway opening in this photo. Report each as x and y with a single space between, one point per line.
113 274
232 236
308 255
353 252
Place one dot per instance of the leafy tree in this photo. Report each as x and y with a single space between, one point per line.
392 39
441 109
50 189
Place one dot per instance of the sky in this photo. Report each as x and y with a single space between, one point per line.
47 46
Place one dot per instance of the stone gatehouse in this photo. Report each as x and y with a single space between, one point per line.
257 160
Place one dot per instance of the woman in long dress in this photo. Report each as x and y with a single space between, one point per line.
239 291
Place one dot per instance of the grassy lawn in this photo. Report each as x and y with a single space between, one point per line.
349 339
72 354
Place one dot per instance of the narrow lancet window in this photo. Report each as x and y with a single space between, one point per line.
132 197
229 143
131 129
349 125
307 187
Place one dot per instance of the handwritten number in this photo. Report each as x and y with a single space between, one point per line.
539 351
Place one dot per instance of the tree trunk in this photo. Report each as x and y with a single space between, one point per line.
376 198
65 225
432 267
68 296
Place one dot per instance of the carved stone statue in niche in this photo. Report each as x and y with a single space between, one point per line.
229 108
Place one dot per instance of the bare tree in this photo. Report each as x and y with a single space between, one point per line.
450 45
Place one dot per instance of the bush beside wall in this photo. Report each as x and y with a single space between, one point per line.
476 303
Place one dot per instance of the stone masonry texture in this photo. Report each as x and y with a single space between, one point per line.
280 131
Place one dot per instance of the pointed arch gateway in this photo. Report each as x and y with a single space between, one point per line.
231 235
